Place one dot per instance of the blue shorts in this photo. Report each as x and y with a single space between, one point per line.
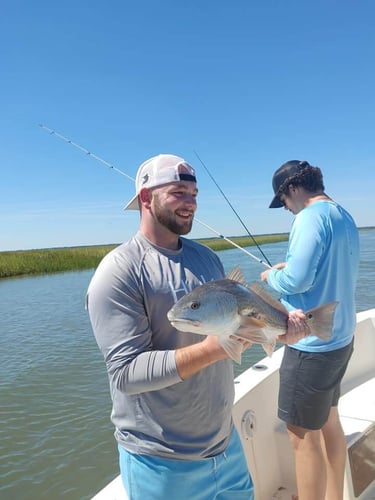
224 477
310 385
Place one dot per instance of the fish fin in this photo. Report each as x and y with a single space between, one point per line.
251 334
269 347
236 274
258 290
320 320
232 347
251 321
257 336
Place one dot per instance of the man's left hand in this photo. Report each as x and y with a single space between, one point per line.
297 328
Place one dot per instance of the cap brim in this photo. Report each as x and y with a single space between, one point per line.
133 204
276 203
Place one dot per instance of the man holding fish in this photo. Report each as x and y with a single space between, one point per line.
321 266
172 392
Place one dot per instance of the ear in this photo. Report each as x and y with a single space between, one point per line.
145 197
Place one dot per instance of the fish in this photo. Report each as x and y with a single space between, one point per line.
231 306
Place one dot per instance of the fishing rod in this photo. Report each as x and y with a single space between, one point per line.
233 209
233 243
121 172
86 151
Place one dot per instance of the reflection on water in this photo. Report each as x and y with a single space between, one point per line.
56 439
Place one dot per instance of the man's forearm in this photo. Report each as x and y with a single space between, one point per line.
194 358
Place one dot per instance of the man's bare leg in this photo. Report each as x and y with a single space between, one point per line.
335 455
311 471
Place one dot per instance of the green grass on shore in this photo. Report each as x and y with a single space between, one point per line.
50 260
53 260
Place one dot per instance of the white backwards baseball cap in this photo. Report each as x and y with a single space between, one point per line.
159 170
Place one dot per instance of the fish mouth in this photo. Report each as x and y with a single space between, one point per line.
177 323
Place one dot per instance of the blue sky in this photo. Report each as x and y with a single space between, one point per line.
245 84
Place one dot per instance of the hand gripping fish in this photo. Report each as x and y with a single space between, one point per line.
231 306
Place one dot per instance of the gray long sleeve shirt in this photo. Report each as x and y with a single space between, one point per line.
154 411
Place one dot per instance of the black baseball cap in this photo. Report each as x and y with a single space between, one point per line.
288 169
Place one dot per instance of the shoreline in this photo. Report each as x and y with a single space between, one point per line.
20 263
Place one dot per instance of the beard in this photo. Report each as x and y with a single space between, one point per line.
168 219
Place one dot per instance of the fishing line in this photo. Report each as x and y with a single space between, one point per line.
112 167
233 209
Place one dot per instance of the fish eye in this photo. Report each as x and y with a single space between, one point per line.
194 305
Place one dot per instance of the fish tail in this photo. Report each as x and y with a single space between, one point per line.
320 320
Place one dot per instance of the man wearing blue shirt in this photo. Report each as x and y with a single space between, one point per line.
321 266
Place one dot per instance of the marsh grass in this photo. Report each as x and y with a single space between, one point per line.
53 260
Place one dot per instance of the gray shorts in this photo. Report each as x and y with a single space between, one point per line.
310 385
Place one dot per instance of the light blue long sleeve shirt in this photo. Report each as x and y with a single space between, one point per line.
321 266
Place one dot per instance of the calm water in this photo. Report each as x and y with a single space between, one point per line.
56 439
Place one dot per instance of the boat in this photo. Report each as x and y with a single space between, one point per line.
264 437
